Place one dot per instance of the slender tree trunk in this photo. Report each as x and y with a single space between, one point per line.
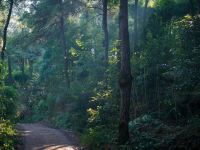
31 67
145 12
6 28
136 26
145 18
192 8
198 1
64 45
125 80
22 66
105 30
10 78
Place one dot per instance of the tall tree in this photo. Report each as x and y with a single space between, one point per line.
198 6
105 29
63 42
192 7
22 65
136 26
145 19
10 78
125 80
145 12
6 28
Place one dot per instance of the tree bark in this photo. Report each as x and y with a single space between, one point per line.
22 66
192 7
31 67
6 28
64 45
125 79
198 6
145 13
105 30
136 26
145 18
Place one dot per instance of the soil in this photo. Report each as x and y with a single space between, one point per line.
40 137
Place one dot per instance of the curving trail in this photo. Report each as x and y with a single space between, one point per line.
40 137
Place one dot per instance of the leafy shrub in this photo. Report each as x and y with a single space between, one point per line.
95 138
8 102
149 133
61 120
21 78
188 138
40 110
7 135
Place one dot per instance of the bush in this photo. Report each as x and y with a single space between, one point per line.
61 120
8 102
188 138
149 133
21 78
95 138
7 135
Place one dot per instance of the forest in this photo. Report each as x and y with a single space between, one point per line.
100 75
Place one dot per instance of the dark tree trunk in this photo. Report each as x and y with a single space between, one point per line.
64 45
22 66
145 13
192 7
198 1
31 67
105 30
145 19
10 78
5 29
136 26
125 80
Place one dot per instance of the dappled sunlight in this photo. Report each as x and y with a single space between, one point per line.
40 137
26 133
56 147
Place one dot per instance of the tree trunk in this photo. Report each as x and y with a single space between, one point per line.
105 30
136 26
145 18
31 67
5 29
145 13
22 66
198 6
64 45
10 78
125 80
192 7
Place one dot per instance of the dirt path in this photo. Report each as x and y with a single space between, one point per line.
40 137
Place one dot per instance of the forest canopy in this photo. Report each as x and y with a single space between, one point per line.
121 74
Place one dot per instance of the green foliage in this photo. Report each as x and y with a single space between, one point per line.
165 69
62 120
8 97
8 111
102 128
8 103
95 137
7 135
40 111
188 138
21 78
148 133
